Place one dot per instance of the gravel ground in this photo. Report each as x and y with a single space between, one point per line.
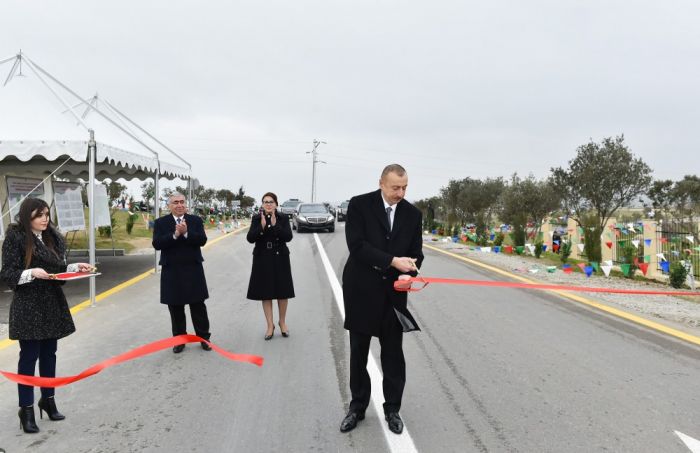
3 330
675 309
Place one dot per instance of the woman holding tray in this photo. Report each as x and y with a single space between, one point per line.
32 252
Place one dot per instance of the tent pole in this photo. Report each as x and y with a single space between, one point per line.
92 150
156 206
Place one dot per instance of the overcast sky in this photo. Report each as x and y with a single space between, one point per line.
449 89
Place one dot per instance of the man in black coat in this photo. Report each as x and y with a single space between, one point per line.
179 236
384 236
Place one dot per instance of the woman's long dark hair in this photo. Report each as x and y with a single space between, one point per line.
30 209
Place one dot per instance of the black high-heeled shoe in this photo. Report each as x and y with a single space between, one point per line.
269 337
26 420
49 405
284 334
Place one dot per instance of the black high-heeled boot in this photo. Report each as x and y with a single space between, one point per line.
49 405
26 419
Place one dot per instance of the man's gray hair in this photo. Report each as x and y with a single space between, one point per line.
393 168
175 194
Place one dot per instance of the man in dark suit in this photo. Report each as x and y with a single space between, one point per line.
384 236
179 236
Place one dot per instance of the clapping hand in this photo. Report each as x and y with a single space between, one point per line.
273 219
181 228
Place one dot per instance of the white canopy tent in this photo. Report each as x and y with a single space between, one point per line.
75 157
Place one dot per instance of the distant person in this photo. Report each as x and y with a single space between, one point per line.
180 236
39 313
384 237
271 275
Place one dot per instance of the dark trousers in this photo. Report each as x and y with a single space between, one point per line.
393 368
29 352
200 319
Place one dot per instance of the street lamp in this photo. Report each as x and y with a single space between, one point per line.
314 156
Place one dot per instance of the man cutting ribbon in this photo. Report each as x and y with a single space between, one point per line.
384 237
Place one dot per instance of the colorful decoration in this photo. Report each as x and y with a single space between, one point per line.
644 267
625 269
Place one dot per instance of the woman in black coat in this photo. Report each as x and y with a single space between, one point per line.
271 276
39 313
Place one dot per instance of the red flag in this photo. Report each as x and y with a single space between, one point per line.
644 267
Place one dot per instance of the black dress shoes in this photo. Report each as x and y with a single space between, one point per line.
179 348
26 419
395 422
205 346
48 405
350 421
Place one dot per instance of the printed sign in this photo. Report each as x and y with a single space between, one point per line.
69 206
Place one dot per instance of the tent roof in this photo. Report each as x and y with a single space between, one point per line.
39 158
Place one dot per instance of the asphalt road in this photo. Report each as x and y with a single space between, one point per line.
494 370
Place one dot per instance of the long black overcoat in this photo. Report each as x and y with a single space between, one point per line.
368 277
182 278
271 274
39 309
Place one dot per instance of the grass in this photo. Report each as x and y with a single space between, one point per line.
139 238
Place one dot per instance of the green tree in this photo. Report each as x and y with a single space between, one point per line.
115 190
602 178
526 201
472 200
148 191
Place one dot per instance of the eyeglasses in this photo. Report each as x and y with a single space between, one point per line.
177 202
269 202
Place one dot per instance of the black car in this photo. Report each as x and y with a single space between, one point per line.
313 216
290 207
343 210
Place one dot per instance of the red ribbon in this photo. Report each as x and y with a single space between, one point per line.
403 286
129 355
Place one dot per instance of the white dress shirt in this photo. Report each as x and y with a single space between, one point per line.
392 214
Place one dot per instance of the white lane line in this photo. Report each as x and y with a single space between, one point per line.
402 443
692 444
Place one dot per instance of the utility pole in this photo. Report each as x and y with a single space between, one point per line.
314 156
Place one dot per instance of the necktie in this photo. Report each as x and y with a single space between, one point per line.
388 216
179 219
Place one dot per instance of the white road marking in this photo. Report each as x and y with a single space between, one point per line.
402 443
692 444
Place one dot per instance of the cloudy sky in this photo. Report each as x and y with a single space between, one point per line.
448 88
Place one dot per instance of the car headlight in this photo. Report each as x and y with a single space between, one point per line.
330 217
301 217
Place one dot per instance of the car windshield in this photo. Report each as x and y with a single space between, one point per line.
344 204
289 204
312 209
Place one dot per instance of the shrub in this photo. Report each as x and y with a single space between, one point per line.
677 274
629 253
498 240
538 249
564 251
130 222
518 235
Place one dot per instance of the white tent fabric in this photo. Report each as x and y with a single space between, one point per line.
38 158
